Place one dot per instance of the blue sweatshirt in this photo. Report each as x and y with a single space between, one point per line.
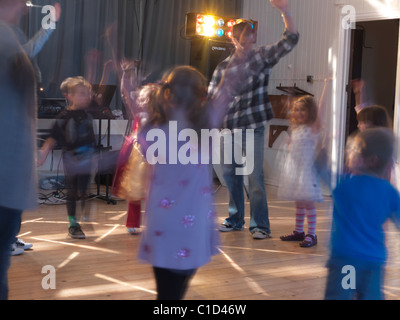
361 206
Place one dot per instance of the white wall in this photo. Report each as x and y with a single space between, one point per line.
386 9
315 22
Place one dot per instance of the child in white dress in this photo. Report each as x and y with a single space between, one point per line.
299 180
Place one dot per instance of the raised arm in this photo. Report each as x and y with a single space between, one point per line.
129 87
283 7
271 54
35 45
358 86
322 103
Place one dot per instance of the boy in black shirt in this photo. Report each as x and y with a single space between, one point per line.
73 131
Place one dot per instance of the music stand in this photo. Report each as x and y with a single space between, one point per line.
102 97
100 109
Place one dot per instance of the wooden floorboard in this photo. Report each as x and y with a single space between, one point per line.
105 266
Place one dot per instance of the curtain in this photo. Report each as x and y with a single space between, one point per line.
151 31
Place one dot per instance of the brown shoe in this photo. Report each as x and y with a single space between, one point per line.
295 236
309 241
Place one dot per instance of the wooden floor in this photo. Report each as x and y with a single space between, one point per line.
104 266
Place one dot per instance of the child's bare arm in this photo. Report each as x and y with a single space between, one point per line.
44 151
322 106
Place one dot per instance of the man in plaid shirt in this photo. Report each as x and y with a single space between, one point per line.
251 109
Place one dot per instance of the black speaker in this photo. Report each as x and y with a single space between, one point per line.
206 54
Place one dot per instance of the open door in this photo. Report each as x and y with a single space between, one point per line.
373 58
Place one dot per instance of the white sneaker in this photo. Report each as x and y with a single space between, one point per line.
15 251
259 235
21 244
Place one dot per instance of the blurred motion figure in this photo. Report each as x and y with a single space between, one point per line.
18 188
362 203
73 131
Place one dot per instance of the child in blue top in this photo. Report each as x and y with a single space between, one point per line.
362 203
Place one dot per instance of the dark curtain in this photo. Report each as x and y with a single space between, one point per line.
148 30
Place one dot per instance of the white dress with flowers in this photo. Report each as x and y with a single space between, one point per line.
299 180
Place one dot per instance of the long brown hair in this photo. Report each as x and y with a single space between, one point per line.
182 87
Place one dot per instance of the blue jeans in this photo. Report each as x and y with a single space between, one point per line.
10 223
259 220
368 283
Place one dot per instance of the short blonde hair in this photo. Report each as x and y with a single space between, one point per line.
69 84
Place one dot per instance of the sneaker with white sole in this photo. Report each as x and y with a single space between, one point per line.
23 245
15 251
227 227
259 235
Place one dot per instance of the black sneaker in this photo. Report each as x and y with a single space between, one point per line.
76 232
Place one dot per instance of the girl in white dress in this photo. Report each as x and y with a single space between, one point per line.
299 180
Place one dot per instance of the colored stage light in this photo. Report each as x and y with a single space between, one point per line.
230 23
200 19
220 22
220 32
211 26
209 21
208 31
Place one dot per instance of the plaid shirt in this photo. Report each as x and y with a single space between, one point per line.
251 108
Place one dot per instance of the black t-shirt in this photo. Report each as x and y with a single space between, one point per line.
74 132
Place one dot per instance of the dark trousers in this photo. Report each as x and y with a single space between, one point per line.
172 284
77 186
10 223
77 180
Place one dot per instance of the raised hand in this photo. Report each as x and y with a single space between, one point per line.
281 5
128 79
129 84
57 6
357 85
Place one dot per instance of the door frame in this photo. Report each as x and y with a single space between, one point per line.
339 97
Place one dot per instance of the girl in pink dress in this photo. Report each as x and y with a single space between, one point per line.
139 114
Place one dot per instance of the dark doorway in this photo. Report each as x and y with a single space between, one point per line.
374 52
